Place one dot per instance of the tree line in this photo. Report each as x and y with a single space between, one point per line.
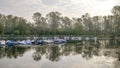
56 24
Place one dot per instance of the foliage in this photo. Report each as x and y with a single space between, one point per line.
56 24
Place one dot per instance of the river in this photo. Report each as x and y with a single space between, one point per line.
89 54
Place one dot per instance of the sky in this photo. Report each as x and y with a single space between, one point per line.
70 8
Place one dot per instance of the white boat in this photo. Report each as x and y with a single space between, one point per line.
22 42
76 38
95 38
28 42
48 41
87 38
2 42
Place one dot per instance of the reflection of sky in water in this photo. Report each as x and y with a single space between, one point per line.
78 62
71 61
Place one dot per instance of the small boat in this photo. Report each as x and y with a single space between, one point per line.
2 42
22 42
10 43
38 41
76 38
28 42
59 41
48 41
87 38
95 38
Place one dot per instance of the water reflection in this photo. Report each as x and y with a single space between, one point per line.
104 52
39 51
53 53
12 52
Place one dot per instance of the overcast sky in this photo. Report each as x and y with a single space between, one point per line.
70 8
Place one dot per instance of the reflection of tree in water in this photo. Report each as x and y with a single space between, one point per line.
67 50
88 52
110 42
115 54
110 48
89 49
78 49
53 53
12 52
38 53
116 64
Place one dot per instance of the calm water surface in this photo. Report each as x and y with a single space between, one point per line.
87 54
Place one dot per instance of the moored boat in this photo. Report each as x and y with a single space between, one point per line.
10 43
38 41
48 41
59 41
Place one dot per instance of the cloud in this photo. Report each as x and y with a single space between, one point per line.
50 2
102 0
94 7
70 8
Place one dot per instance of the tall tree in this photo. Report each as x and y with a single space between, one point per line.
40 23
88 25
53 19
78 26
116 10
66 25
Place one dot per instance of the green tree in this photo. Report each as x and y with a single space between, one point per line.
116 10
40 23
66 25
78 26
53 19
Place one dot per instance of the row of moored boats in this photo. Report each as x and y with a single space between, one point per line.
31 42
